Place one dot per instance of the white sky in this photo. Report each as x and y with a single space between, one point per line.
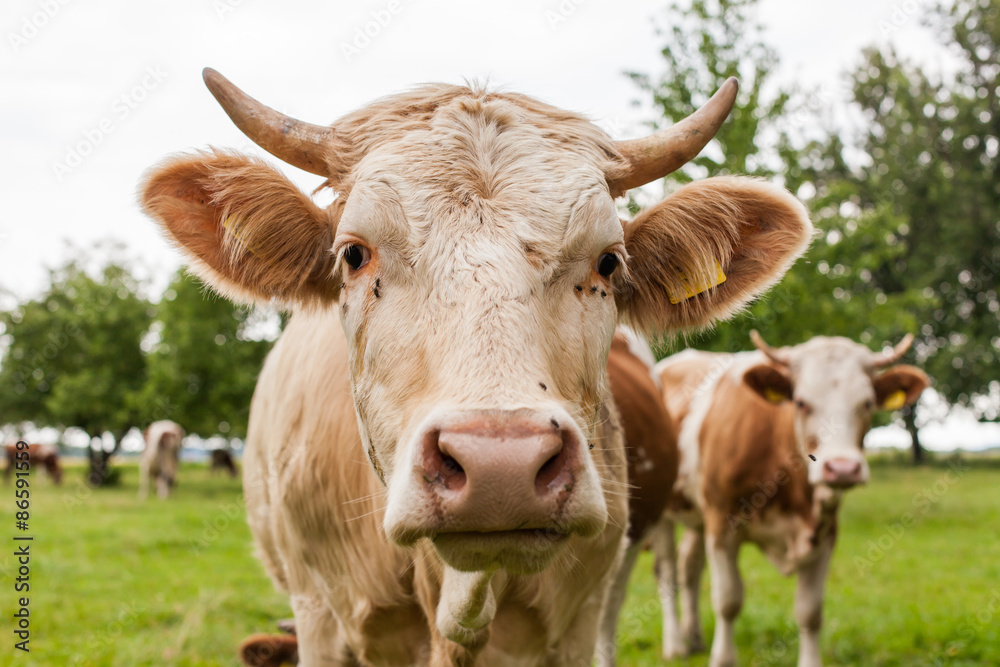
124 79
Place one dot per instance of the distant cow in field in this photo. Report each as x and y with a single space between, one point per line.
222 460
435 469
161 457
46 456
769 442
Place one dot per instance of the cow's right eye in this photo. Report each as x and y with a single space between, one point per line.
356 256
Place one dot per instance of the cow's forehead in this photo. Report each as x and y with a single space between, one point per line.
489 168
832 365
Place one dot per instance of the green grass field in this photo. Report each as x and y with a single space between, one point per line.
119 582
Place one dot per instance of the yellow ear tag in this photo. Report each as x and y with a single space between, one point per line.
895 400
694 290
773 396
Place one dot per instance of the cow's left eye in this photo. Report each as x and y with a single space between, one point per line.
606 264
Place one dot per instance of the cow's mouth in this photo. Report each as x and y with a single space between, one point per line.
522 551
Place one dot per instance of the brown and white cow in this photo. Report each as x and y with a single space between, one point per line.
434 468
769 441
46 456
160 458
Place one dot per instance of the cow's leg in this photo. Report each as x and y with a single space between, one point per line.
727 595
809 605
665 566
692 560
607 647
162 487
318 634
143 482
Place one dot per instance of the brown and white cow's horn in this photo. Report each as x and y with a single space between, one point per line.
881 359
300 144
777 356
670 149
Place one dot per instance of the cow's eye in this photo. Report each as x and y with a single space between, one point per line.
804 407
606 264
356 256
870 404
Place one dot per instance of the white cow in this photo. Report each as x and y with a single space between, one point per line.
434 468
159 460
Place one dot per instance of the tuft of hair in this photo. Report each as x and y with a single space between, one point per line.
750 229
246 229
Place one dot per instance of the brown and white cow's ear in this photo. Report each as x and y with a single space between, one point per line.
899 386
772 383
250 233
708 249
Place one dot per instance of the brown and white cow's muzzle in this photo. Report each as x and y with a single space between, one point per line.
839 469
500 488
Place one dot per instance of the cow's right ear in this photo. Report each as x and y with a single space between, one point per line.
772 383
248 231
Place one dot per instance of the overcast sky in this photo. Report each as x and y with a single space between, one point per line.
93 93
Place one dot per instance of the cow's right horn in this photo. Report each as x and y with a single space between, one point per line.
300 144
777 356
670 149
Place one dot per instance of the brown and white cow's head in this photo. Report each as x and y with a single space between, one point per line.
836 385
479 266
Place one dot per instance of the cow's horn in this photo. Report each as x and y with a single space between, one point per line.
777 356
300 144
880 359
670 149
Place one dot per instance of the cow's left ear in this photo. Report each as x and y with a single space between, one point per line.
899 386
773 384
707 250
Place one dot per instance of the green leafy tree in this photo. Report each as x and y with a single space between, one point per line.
73 358
930 161
203 370
834 289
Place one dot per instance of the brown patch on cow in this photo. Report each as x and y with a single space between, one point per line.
262 650
650 440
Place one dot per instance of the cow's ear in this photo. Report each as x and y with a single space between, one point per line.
707 250
772 383
899 386
248 231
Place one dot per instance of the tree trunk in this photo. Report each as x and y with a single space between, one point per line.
100 472
910 418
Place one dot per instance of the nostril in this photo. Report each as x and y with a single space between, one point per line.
451 465
555 474
440 468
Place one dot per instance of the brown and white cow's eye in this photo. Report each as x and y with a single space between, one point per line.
356 256
606 264
802 406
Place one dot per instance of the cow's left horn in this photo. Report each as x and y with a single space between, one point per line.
880 359
670 149
777 356
300 144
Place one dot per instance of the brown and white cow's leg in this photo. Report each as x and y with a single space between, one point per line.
727 595
162 487
664 549
607 645
809 604
692 562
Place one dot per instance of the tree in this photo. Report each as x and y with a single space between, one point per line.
203 369
833 290
929 159
73 359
